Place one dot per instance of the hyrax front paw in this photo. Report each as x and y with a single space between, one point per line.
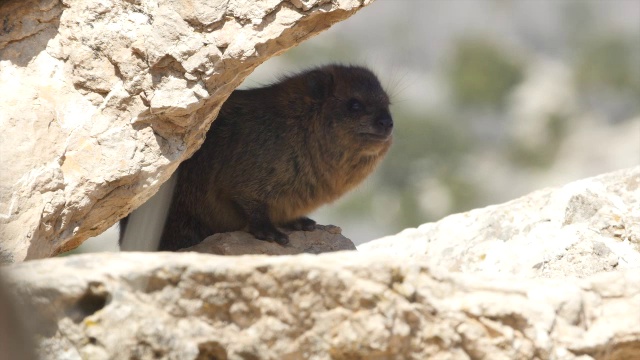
303 223
269 233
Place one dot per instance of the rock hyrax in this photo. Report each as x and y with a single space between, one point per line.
276 153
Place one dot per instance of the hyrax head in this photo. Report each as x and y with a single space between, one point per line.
354 107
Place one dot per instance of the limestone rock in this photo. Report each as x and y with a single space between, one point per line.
101 99
323 239
582 228
383 303
345 305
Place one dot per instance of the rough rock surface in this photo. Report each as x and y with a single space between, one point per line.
101 99
345 305
582 228
323 239
384 303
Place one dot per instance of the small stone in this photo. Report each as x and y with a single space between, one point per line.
322 239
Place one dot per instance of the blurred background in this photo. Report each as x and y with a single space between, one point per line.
492 99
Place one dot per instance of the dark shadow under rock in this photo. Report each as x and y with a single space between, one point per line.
323 239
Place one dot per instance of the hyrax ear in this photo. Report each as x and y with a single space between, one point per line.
320 84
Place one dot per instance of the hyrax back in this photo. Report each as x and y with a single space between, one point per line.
276 153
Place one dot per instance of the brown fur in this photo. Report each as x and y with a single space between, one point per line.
276 153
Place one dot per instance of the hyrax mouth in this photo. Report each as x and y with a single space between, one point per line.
376 136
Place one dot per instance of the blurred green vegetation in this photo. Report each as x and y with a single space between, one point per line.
610 62
541 157
435 140
482 73
605 60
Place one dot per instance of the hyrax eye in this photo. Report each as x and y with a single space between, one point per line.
355 105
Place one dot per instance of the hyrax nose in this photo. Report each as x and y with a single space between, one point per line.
385 121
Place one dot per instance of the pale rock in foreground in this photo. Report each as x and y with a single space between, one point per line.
345 305
102 99
582 228
398 301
